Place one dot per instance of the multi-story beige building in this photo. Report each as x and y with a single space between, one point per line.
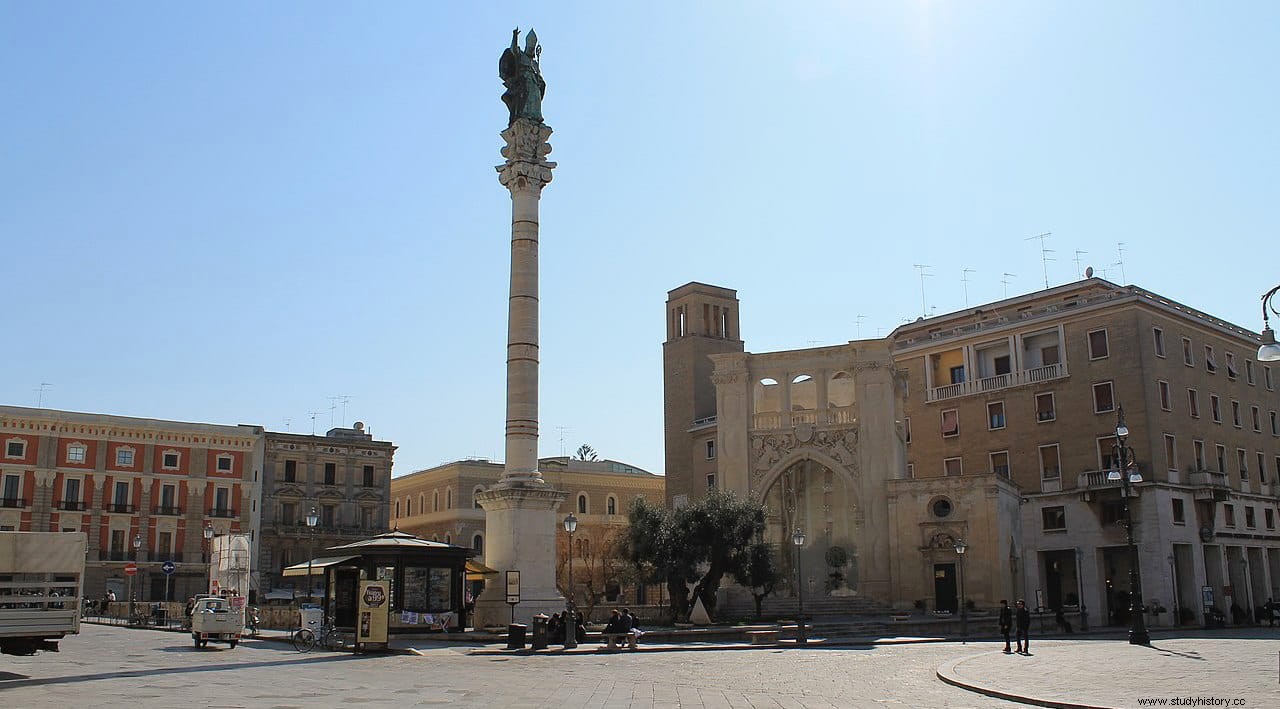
344 475
119 479
1007 416
440 504
1028 390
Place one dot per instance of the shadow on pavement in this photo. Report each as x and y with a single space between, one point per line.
1188 655
155 671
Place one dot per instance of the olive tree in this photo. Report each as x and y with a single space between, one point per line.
698 544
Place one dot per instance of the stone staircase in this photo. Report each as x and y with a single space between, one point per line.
820 609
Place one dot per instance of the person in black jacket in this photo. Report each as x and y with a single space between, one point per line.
1006 624
1023 622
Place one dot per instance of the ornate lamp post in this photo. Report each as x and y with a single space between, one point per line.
137 544
312 520
797 540
961 548
208 558
1269 351
1138 634
571 621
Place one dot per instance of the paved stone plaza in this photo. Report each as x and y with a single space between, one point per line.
112 666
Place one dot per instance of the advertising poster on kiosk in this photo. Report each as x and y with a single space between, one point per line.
371 623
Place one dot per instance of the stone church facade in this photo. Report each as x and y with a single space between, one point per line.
1014 407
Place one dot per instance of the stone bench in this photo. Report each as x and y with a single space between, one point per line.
615 640
763 637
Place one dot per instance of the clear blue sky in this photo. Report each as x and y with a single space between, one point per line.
229 213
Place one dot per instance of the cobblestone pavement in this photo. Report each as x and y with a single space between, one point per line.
114 667
1241 667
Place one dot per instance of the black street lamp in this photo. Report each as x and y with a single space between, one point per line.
312 520
571 621
1269 351
1127 474
208 555
961 548
797 540
137 544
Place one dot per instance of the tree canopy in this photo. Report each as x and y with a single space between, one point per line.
699 544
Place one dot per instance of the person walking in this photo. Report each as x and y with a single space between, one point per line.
1006 624
1023 623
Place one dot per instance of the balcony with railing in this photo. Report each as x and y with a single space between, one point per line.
122 509
1209 485
71 505
13 502
833 416
115 555
1096 480
1023 377
167 510
222 512
705 422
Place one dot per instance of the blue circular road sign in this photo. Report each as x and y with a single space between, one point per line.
167 567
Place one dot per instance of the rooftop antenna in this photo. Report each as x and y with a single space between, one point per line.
344 398
1120 249
1044 254
313 415
964 278
1005 281
1078 271
562 430
40 394
858 324
287 421
921 267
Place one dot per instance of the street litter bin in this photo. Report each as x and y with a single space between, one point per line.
540 633
515 636
158 614
311 617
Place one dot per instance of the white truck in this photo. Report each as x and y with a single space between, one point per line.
216 619
41 584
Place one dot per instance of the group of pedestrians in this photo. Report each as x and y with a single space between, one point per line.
558 627
1019 620
622 622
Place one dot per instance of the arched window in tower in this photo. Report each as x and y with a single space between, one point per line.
448 499
475 497
611 506
397 509
435 500
477 544
408 507
582 504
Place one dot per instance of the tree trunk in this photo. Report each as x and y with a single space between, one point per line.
679 592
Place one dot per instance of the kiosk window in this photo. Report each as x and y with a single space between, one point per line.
441 590
416 589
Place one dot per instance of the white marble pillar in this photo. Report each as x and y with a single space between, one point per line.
521 509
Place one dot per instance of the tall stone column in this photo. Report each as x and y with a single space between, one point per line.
520 510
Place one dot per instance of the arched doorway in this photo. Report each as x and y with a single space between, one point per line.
814 497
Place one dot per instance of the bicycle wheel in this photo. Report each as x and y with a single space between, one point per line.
304 640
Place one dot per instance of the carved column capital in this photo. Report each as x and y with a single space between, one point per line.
527 148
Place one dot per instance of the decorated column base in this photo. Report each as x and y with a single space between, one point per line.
520 535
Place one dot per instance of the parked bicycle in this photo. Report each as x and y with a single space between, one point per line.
327 636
